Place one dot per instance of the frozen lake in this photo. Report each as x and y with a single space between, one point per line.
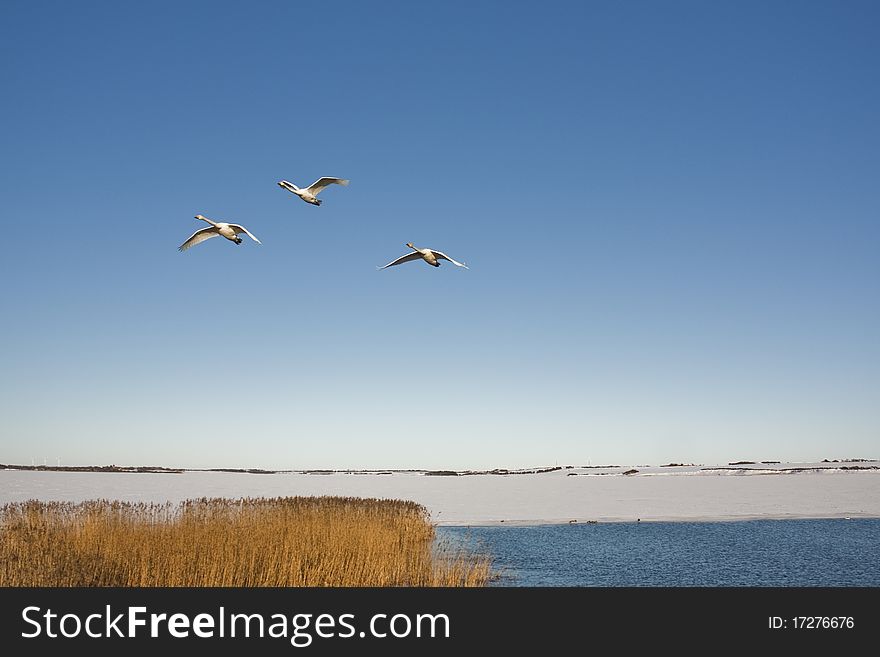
684 493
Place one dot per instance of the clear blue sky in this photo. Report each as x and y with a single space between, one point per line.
669 210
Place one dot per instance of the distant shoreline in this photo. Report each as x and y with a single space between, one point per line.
825 464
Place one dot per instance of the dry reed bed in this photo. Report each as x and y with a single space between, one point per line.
289 541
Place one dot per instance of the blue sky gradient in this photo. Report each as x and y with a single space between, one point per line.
669 211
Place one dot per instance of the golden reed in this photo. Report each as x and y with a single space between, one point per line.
285 541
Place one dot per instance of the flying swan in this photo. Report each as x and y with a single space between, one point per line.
229 231
310 194
431 256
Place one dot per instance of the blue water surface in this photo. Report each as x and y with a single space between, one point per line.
834 552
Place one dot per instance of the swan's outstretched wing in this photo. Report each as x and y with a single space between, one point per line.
443 256
404 258
241 229
198 237
321 183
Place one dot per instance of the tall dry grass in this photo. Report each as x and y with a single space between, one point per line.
289 541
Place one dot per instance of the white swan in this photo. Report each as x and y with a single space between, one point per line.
309 194
229 231
431 256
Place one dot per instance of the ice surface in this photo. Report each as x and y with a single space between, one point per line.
790 490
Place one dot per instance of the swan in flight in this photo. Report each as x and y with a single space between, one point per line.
310 194
431 256
229 231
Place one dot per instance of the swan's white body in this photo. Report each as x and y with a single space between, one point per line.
431 256
310 194
229 231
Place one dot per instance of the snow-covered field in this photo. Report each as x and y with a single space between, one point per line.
582 494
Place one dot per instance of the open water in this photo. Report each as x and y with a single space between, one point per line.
778 553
